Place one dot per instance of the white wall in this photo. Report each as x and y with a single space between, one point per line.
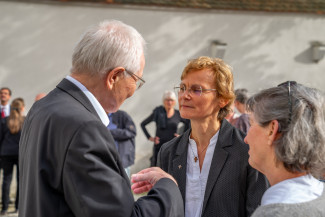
36 42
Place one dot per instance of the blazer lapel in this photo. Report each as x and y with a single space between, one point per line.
218 160
70 88
180 163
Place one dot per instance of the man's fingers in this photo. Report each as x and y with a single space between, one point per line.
141 187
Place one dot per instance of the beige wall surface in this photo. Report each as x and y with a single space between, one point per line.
264 49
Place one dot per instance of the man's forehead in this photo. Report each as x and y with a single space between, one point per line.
4 91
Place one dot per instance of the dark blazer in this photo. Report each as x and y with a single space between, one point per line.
69 165
234 189
124 134
9 143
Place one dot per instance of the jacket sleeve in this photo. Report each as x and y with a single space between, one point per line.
125 130
95 185
146 121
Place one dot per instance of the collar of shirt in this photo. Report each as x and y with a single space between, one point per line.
196 180
296 190
99 109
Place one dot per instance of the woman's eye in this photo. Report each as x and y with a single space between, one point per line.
197 91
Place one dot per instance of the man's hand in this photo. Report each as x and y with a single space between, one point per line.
147 178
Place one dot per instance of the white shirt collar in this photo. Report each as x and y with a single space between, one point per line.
296 190
99 109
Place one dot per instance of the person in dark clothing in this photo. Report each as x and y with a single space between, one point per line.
210 160
242 123
123 131
167 119
5 95
11 131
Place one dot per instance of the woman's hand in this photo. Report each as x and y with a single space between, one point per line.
155 140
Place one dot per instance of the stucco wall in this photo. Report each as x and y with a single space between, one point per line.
36 42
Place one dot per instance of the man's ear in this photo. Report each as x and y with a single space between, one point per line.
113 76
273 131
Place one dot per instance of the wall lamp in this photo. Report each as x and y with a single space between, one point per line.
318 51
217 49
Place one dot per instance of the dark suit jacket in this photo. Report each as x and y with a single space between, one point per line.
124 134
9 143
69 165
234 189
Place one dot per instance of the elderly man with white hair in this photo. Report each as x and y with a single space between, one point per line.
69 165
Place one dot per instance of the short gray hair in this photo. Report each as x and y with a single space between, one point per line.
106 46
241 95
301 146
169 95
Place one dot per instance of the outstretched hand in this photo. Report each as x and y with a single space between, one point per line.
147 178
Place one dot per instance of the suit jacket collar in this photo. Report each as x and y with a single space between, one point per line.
70 88
180 162
218 160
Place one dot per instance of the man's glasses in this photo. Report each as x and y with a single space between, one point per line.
289 84
195 90
139 81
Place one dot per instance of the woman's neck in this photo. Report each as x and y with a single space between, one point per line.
170 112
279 173
202 132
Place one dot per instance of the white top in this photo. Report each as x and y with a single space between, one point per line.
6 109
195 180
99 109
296 190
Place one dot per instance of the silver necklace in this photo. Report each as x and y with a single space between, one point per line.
197 157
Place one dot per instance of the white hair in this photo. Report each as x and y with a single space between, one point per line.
169 95
106 46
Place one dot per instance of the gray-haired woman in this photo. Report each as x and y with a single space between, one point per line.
167 119
287 144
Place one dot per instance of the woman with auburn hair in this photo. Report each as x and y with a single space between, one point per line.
210 160
11 130
287 144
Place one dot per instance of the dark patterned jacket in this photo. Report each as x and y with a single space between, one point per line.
234 188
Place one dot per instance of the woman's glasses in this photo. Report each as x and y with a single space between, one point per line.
194 90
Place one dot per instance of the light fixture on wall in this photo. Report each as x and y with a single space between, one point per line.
318 51
217 49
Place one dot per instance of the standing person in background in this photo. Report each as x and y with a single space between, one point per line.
5 95
11 131
167 119
39 96
69 165
210 160
242 122
232 116
123 131
287 143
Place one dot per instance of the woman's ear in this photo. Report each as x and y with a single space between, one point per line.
223 102
273 131
113 76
